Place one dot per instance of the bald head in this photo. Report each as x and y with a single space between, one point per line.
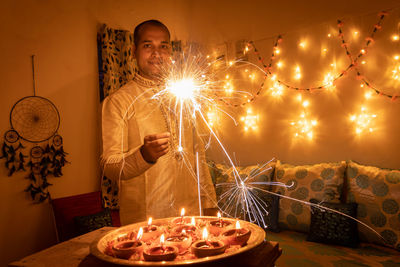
148 23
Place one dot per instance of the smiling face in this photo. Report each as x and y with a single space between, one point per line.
151 50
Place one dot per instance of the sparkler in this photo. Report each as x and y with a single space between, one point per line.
190 89
189 92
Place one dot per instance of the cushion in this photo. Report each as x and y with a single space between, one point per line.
224 181
88 223
377 192
271 219
333 228
322 181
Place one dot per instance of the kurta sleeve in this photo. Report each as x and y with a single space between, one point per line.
119 160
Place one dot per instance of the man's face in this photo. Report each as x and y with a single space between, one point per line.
152 50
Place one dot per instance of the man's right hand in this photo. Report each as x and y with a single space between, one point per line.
155 146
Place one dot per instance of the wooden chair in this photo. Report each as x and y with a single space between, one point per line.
65 209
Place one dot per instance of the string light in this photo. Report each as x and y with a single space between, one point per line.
303 44
328 81
252 76
297 73
396 73
363 121
396 69
250 120
368 94
228 88
303 126
212 117
277 86
276 89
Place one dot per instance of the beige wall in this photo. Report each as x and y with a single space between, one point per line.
62 35
334 137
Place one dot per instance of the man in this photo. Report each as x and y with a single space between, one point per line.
153 180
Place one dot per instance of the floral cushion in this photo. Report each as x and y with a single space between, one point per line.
322 182
377 193
254 176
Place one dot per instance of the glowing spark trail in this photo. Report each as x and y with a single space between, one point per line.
190 89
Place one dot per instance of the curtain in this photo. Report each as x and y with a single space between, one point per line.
116 63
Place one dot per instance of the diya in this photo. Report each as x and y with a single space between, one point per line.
216 227
204 248
237 236
174 244
182 219
125 249
182 241
161 253
150 231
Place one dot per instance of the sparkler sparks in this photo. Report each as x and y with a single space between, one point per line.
190 90
245 199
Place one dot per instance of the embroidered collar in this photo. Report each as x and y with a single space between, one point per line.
145 82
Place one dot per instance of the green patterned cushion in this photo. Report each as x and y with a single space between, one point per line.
223 179
322 181
88 223
332 228
377 193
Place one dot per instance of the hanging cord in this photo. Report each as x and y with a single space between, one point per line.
33 75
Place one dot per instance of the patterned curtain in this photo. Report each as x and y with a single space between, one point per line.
116 63
116 67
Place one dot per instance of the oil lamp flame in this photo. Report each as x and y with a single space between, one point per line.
237 225
205 234
183 212
140 234
219 215
149 222
162 240
193 222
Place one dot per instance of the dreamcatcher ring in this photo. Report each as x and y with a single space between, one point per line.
35 119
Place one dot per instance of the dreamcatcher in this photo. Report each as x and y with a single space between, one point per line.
34 120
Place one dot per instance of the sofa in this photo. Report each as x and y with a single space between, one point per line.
314 235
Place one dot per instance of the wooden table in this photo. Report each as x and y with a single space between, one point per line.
75 252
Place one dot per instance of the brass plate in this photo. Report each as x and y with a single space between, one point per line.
98 246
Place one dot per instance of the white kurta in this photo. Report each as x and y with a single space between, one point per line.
148 190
